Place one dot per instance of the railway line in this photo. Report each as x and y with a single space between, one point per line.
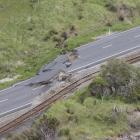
58 95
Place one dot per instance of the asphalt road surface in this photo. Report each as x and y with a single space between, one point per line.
21 95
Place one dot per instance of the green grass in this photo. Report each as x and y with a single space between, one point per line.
90 119
26 38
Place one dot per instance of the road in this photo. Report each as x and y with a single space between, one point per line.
21 95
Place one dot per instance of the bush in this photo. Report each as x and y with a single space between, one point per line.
119 75
98 87
117 78
123 10
29 134
64 132
111 5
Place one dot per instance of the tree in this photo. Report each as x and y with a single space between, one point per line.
119 76
48 127
98 87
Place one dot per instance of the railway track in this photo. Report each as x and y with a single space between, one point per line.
60 94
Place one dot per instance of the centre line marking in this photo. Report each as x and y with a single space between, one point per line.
39 87
15 109
137 36
104 59
3 100
107 46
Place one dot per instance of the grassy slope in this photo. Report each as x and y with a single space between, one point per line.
92 119
25 27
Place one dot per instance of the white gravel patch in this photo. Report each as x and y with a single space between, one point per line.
9 79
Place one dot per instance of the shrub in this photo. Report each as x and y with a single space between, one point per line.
29 134
119 75
98 87
111 5
117 78
64 132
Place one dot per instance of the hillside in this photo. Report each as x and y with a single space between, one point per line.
33 32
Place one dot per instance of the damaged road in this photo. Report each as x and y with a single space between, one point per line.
22 94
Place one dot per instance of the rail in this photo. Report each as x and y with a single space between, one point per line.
44 105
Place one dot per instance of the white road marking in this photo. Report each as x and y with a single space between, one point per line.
107 46
137 36
22 82
5 89
115 36
3 100
103 59
18 108
38 87
14 85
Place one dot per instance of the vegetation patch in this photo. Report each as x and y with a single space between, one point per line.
117 79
